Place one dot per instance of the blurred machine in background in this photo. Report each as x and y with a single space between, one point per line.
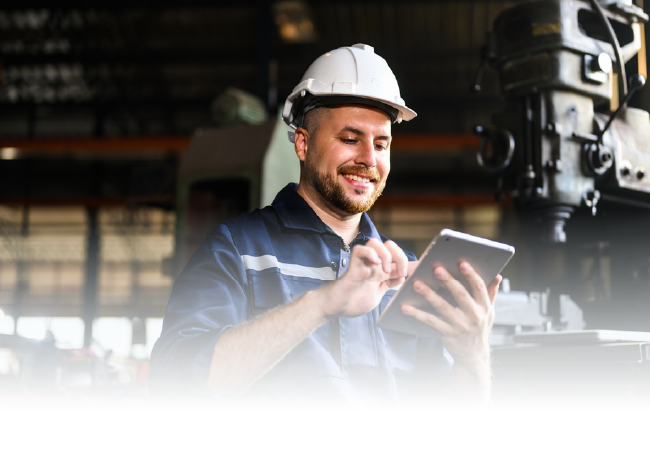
575 159
230 170
572 154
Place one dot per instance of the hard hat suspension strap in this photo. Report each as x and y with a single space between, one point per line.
310 102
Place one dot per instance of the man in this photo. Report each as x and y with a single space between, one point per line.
282 303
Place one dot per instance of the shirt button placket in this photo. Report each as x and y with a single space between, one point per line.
343 262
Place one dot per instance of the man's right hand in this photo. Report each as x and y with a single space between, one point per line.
244 353
374 269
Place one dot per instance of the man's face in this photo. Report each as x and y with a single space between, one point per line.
348 159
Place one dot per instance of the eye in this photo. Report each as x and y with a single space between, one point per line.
381 147
348 141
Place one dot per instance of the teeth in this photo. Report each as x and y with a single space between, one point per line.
356 178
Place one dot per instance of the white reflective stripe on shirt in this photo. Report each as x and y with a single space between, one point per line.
269 261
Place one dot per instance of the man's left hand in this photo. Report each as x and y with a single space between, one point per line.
465 329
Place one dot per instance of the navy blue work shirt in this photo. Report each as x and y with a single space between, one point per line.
247 266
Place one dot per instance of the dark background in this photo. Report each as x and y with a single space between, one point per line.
143 68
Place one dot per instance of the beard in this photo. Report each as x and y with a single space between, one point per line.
334 194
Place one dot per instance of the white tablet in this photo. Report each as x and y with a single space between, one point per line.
448 249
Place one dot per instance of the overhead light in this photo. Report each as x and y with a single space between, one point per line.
294 22
8 153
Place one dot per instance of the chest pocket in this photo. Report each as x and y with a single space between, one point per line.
272 289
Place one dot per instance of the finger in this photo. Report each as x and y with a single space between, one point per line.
428 319
476 284
394 272
399 257
366 254
493 288
382 252
465 301
395 282
446 311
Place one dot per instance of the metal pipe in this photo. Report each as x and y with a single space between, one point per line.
620 65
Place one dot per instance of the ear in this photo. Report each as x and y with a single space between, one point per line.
301 143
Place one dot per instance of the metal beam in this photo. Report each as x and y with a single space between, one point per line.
97 146
90 202
173 144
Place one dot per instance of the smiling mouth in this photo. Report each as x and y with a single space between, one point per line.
357 178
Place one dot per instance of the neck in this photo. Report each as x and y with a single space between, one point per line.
344 224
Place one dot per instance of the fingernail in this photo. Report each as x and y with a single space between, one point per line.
440 272
464 267
417 286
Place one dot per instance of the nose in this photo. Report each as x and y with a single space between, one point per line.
366 155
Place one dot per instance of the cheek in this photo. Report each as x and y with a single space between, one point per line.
337 158
314 159
383 165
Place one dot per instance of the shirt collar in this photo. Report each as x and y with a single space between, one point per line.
367 229
295 212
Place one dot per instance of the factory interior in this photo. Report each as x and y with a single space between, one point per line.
128 130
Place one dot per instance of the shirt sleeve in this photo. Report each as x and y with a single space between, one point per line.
208 298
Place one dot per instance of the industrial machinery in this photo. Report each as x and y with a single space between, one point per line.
575 159
559 63
222 175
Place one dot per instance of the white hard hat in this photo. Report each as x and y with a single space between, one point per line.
347 75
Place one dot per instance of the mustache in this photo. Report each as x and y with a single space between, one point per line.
360 170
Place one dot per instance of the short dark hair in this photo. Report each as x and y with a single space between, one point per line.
314 118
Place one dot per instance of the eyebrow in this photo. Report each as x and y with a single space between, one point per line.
362 133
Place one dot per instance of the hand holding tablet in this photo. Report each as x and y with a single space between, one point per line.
450 248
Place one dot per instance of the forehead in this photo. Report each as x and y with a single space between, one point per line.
364 118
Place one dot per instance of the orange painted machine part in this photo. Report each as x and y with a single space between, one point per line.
85 146
163 145
426 143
